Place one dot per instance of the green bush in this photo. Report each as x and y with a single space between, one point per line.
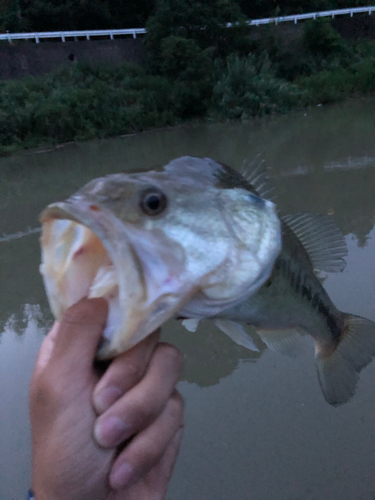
82 102
244 89
337 84
322 40
190 67
326 86
364 76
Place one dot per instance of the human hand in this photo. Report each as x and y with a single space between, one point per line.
79 453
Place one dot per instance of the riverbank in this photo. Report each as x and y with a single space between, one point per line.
86 101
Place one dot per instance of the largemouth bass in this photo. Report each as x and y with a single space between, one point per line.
197 240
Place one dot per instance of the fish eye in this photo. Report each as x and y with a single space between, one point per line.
153 201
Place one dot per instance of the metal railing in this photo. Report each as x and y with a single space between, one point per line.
88 34
63 35
313 15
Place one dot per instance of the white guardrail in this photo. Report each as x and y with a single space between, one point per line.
88 34
313 15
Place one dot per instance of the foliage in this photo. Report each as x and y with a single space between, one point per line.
82 102
336 84
196 68
322 40
49 15
191 68
203 22
245 89
319 48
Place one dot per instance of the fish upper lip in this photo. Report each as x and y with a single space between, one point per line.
71 209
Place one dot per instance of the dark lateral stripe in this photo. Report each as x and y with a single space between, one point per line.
301 285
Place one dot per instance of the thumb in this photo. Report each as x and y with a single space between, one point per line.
76 338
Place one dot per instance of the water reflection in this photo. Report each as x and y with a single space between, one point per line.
209 354
19 344
20 281
30 314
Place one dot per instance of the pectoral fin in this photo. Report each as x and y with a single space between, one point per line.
190 324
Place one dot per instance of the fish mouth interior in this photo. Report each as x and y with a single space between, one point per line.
76 264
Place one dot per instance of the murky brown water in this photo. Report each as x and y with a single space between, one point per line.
257 425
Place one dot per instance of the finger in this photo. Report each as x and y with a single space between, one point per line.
144 403
124 373
149 446
78 336
162 473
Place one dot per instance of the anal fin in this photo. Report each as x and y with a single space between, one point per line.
237 333
285 341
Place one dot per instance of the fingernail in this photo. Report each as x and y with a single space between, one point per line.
110 432
106 397
121 476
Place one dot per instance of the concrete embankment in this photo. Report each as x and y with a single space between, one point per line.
29 58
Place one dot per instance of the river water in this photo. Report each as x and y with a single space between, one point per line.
257 425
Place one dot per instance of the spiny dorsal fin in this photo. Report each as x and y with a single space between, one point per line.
321 238
256 174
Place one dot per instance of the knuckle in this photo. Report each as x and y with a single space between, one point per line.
133 372
176 406
147 409
43 392
171 353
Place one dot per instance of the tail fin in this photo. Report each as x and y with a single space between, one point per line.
338 372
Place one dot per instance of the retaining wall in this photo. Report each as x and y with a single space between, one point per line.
28 58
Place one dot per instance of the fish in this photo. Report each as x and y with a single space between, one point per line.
195 240
156 244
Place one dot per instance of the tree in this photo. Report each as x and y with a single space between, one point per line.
50 15
204 22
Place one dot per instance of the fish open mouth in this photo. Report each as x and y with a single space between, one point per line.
92 255
76 264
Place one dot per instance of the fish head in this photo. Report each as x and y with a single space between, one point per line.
157 244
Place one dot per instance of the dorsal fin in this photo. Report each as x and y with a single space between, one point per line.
321 238
256 174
